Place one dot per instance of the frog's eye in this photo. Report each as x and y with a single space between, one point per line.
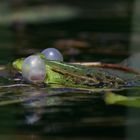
52 54
34 69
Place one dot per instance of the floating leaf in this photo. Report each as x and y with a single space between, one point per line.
112 98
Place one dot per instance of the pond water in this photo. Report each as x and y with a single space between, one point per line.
70 114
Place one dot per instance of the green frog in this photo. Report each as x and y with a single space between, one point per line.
74 75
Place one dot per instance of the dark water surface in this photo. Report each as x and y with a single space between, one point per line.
71 115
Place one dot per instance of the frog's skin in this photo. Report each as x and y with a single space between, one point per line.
68 75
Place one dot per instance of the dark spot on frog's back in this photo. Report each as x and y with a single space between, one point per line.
65 68
74 71
96 85
99 78
89 73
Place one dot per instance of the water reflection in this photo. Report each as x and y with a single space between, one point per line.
60 111
100 33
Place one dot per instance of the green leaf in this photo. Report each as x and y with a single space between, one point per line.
112 98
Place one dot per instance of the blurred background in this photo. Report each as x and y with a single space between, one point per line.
91 30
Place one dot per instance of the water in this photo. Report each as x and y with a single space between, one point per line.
64 115
72 115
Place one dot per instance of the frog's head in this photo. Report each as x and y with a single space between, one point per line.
37 69
17 64
33 68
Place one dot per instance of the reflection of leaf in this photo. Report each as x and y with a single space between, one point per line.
112 98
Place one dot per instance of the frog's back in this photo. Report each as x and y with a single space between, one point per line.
81 75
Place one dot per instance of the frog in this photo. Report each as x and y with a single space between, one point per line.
65 74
